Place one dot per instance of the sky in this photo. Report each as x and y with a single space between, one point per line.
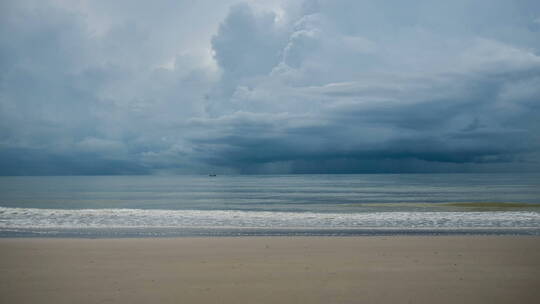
97 87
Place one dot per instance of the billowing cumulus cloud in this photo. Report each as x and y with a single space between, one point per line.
339 86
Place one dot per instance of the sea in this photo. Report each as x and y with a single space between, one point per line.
268 205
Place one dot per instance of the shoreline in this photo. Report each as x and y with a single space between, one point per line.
272 269
180 232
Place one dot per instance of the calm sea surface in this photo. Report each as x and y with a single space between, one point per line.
111 206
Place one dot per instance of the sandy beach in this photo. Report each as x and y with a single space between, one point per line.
419 269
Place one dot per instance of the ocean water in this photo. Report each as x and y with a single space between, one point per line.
139 206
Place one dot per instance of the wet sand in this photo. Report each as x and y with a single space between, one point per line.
401 269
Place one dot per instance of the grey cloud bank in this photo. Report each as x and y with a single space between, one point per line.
165 87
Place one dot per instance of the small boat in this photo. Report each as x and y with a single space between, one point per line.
211 174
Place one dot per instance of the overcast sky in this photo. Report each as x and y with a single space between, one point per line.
328 86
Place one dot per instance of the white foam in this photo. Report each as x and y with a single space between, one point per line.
12 218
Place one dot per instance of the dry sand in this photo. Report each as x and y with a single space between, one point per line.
464 269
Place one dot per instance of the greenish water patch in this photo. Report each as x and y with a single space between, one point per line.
492 205
392 205
452 206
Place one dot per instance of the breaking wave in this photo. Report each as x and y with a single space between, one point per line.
35 218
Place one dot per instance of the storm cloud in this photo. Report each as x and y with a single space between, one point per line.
329 86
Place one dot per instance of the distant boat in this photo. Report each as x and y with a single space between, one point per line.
211 174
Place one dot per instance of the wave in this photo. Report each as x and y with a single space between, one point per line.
34 218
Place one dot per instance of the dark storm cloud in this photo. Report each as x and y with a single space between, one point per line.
269 87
